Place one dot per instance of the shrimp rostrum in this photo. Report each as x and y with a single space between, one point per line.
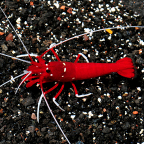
60 71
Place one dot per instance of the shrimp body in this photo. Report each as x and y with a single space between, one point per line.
67 71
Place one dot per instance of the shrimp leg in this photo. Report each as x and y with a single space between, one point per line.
56 96
81 54
76 92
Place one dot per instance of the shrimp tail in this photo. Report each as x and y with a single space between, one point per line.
126 67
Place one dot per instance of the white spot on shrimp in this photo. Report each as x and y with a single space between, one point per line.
64 69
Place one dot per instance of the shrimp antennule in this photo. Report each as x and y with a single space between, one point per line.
25 72
23 81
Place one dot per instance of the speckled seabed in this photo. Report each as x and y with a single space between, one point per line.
113 114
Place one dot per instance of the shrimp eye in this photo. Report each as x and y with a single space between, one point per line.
48 71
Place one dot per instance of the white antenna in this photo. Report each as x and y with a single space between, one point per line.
77 36
54 117
22 82
16 58
16 34
25 72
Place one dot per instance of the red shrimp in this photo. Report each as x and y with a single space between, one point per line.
60 71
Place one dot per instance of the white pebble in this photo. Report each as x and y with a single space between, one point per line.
109 38
97 10
25 22
100 115
108 60
87 30
18 20
99 100
56 4
12 79
100 5
84 99
72 117
113 9
139 88
101 9
141 42
102 39
13 52
141 131
63 13
84 113
142 70
90 114
120 97
108 95
73 12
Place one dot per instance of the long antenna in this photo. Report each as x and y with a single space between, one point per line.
77 36
16 58
43 96
38 107
54 117
16 34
